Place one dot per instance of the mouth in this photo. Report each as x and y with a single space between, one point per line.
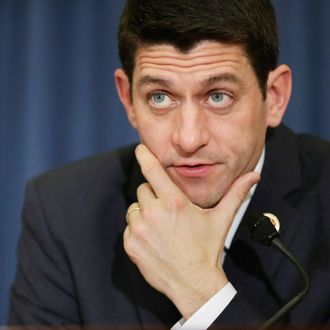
193 171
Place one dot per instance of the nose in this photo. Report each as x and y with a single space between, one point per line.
190 129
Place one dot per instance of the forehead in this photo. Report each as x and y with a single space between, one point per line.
204 58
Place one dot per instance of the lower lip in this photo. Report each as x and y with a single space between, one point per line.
193 171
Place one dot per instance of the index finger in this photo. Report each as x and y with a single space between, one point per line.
155 174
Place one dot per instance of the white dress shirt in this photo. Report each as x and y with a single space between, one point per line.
206 315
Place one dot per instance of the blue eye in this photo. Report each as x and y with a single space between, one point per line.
158 98
217 97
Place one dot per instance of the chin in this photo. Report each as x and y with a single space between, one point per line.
205 202
205 196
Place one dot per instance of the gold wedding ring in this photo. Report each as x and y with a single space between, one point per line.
136 208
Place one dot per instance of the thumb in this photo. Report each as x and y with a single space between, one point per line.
234 197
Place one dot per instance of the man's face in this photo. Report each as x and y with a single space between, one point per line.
201 114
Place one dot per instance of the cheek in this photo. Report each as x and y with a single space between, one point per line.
155 135
154 131
242 134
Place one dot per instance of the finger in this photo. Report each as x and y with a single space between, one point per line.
126 234
131 209
233 199
127 242
145 195
155 174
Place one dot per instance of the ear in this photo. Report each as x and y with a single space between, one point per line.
279 86
124 93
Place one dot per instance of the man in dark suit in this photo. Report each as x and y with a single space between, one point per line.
148 240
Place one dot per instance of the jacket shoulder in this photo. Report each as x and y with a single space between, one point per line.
314 148
109 168
314 154
84 194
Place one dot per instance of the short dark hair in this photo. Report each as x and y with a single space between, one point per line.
184 23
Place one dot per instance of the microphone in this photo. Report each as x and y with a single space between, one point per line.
265 228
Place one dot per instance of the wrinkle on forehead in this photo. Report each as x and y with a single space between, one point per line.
207 81
206 54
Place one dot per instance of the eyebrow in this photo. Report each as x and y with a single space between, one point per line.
150 80
222 77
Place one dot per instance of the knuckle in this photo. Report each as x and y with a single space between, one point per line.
150 212
132 248
141 188
176 203
132 206
139 232
129 246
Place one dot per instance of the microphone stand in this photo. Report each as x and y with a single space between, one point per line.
297 298
263 230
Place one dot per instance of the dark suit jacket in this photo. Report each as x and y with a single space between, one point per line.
72 268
